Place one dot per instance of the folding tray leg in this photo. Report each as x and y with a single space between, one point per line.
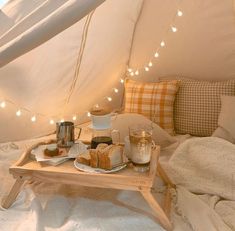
160 214
7 201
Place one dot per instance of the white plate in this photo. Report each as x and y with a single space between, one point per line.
86 168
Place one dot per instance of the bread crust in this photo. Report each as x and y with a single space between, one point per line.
94 158
84 159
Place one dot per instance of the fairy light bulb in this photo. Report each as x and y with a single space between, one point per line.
156 55
74 118
150 64
137 72
179 13
33 118
109 99
132 73
115 90
146 69
129 70
97 106
174 29
162 44
62 120
88 114
122 80
3 104
52 121
18 113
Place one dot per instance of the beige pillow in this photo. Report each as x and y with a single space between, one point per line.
153 100
226 121
123 121
197 105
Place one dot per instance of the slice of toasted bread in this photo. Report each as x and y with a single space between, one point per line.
84 158
94 163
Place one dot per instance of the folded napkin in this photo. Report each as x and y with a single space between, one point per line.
73 152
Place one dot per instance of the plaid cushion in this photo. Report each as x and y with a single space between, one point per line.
153 100
197 105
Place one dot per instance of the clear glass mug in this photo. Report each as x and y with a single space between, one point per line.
141 146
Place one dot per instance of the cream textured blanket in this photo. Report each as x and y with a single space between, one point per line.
205 166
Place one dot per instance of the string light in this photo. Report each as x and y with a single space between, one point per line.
162 44
62 120
146 69
115 90
3 104
174 29
18 113
132 72
179 13
33 118
156 55
150 64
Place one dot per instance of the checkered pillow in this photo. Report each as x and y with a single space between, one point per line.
197 105
153 100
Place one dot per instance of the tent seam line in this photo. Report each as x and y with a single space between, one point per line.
80 56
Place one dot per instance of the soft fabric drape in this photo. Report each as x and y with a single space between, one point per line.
38 27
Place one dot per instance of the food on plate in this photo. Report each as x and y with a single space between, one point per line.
101 146
110 156
51 150
104 156
84 158
94 158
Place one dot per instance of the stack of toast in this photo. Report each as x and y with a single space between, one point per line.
104 156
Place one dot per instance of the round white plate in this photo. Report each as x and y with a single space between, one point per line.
86 168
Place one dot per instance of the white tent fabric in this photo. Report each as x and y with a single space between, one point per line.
82 65
37 28
41 80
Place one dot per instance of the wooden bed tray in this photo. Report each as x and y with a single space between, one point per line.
26 168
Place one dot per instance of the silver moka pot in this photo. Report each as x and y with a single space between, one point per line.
65 134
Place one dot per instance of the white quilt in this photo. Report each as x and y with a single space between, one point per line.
205 166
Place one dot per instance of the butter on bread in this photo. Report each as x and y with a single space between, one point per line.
84 158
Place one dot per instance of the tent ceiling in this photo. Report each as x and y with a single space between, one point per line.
41 79
203 48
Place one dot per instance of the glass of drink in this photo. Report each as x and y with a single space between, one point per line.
141 144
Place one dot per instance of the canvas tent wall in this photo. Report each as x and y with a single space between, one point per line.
81 66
